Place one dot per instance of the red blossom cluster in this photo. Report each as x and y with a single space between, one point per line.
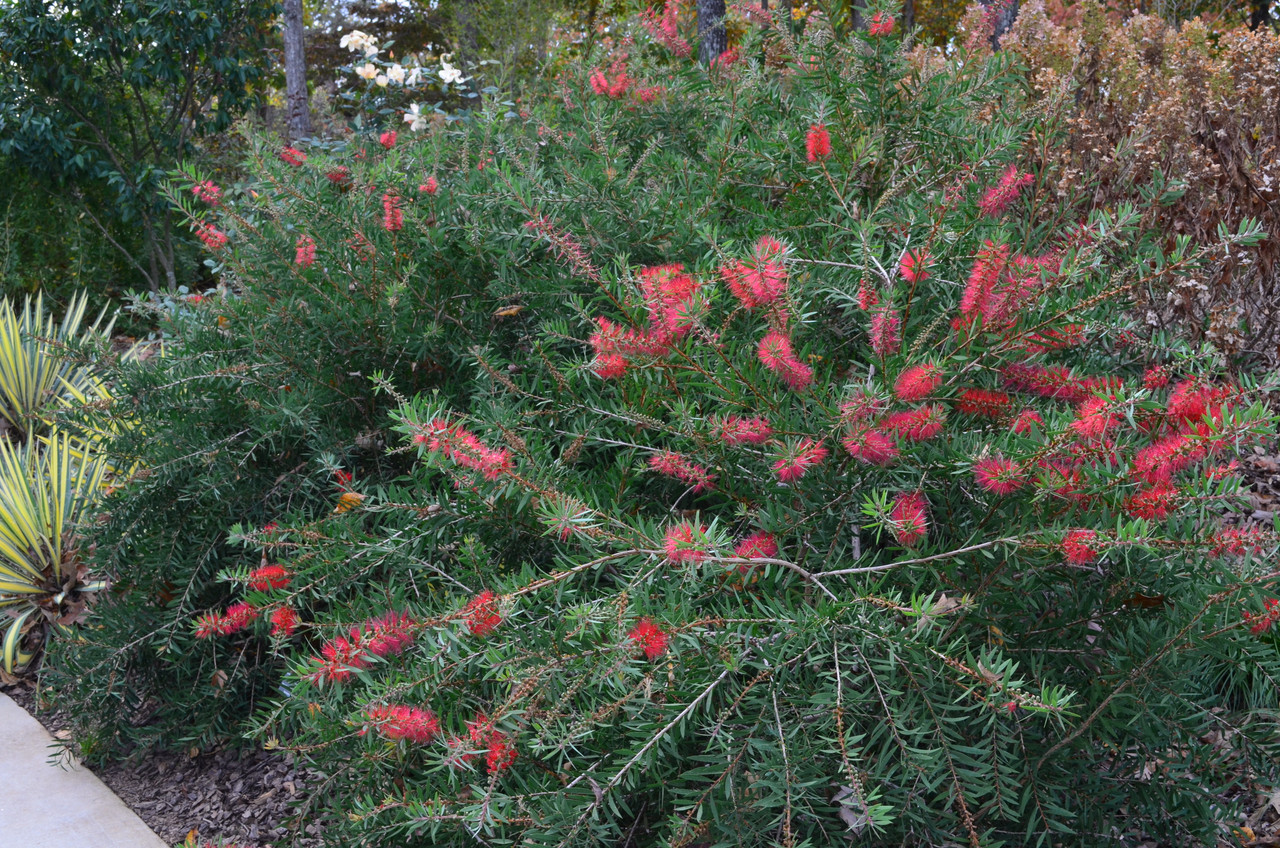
737 430
614 84
565 246
758 545
998 475
1261 622
1081 547
1238 541
909 519
388 139
292 156
237 617
776 353
665 28
652 638
207 191
429 187
1153 503
668 296
385 636
284 620
761 281
985 403
999 197
339 176
880 24
396 721
817 143
680 544
917 382
213 238
482 613
499 751
392 214
797 458
269 577
913 267
682 468
463 447
885 333
305 253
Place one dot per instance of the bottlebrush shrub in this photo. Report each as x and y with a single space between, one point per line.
763 534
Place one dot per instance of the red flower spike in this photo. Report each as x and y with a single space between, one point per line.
909 519
759 545
429 187
885 333
388 139
482 614
798 458
998 475
915 425
917 382
776 354
683 469
914 266
392 214
871 446
736 430
1001 196
412 724
1081 547
652 638
818 143
305 252
292 156
269 577
983 403
1027 419
680 544
284 620
880 24
207 191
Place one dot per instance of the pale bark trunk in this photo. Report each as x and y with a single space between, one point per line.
1003 21
295 72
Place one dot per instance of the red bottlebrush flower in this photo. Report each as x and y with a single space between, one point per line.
682 468
881 24
213 238
482 613
1095 418
389 634
292 156
207 191
649 93
914 266
501 753
1153 504
392 214
736 430
776 354
305 253
668 294
817 143
614 88
339 176
1261 622
378 637
466 449
237 617
1190 401
983 402
681 546
430 186
867 295
998 475
885 332
761 280
917 382
610 366
1234 540
726 60
859 407
871 446
412 724
1155 377
1054 382
665 30
1162 459
271 528
343 479
759 545
797 458
208 625
915 425
284 620
1081 547
980 295
652 638
388 139
269 577
909 519
1001 196
1027 419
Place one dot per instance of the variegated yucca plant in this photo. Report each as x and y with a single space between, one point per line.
35 368
44 489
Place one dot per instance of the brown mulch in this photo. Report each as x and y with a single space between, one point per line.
228 795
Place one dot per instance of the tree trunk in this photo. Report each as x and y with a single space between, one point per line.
712 38
908 15
468 42
1008 12
295 72
856 13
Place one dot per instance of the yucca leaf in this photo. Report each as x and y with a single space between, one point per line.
10 653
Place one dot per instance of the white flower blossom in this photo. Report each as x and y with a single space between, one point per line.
367 71
396 74
381 80
450 74
357 41
415 119
414 77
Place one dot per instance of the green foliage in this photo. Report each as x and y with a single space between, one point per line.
111 94
576 593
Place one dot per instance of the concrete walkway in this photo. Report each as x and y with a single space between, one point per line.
54 806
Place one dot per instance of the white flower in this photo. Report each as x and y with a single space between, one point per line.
381 80
415 119
414 77
367 71
396 74
357 41
450 74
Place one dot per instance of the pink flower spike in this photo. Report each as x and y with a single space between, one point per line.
998 475
818 143
759 545
680 544
909 519
1081 547
797 458
649 636
917 382
736 430
914 267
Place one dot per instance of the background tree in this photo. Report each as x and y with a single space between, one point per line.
712 38
112 93
295 71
